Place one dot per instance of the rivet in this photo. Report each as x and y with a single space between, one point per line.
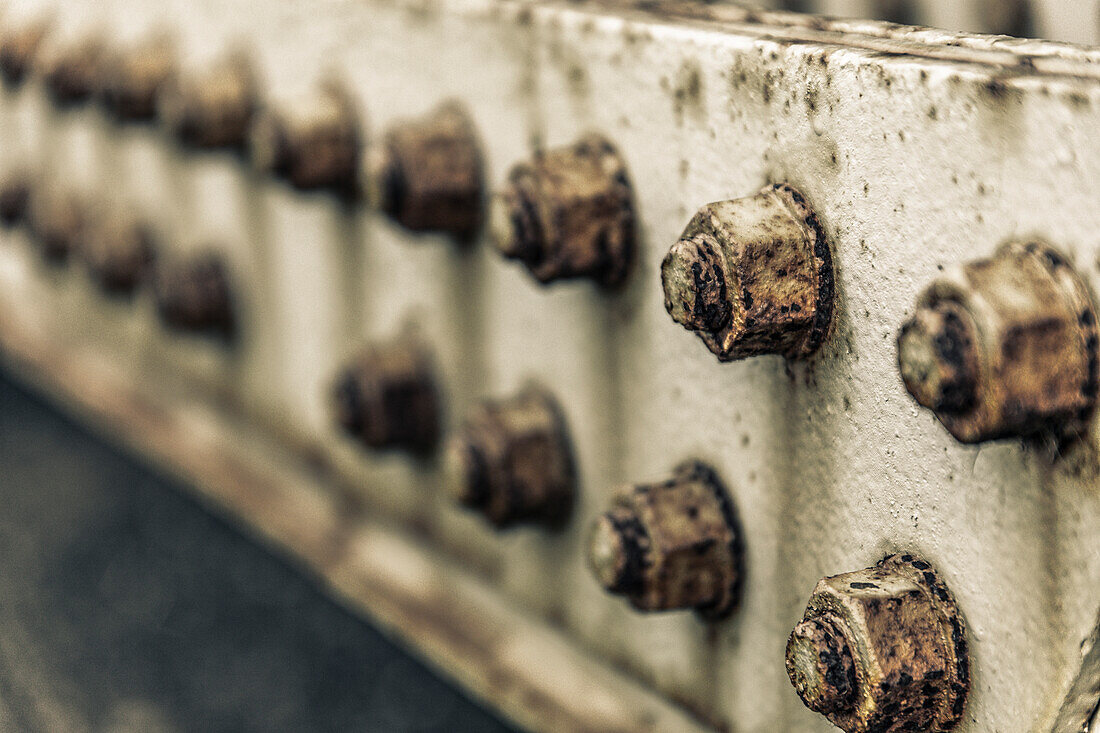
57 220
119 252
19 49
568 213
15 194
71 68
512 461
752 276
672 545
132 79
1005 347
213 108
314 143
427 174
883 650
193 294
387 397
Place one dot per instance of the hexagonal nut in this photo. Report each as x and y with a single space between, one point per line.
427 175
131 80
313 144
753 276
672 545
387 397
513 462
71 68
1005 347
213 108
883 650
19 49
569 213
15 194
119 251
193 294
57 221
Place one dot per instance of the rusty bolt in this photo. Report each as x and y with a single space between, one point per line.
132 80
58 221
387 397
1005 347
314 144
119 251
19 48
427 175
513 462
213 109
671 545
883 650
15 193
569 214
753 276
70 69
193 294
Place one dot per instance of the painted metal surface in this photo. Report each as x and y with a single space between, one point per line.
917 150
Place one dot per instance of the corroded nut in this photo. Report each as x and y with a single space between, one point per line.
387 397
119 251
193 294
58 221
427 174
513 462
71 69
753 276
132 80
883 650
672 545
313 144
1005 347
19 48
569 214
15 193
215 108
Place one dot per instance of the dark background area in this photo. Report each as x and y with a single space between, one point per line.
125 606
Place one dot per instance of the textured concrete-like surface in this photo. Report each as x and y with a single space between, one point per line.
124 606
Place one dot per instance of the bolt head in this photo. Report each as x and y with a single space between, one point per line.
938 359
882 649
821 667
694 279
752 276
608 554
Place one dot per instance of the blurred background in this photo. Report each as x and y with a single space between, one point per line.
125 606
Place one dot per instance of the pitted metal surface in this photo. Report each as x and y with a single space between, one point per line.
918 150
